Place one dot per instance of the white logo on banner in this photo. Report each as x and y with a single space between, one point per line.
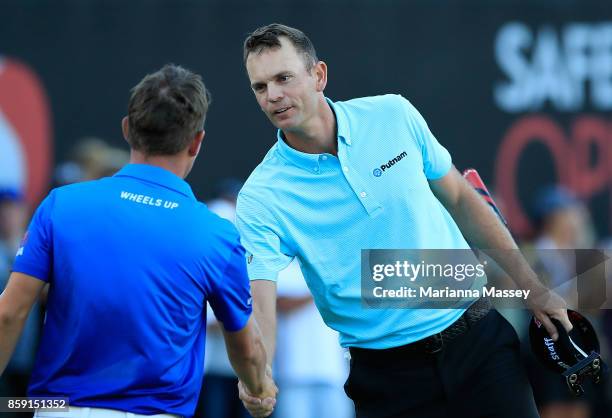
562 67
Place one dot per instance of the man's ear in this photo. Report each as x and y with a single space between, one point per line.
320 73
125 128
194 147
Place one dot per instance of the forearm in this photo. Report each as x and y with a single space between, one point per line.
250 363
268 332
10 330
264 310
483 229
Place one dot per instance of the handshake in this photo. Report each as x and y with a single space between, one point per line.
247 353
260 404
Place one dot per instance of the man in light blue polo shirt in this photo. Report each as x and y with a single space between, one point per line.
368 174
131 261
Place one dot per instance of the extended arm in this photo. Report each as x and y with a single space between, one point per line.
247 354
481 227
264 310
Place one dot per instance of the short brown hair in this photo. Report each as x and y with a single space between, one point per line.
166 110
268 37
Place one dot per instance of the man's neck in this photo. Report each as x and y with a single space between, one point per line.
174 164
319 135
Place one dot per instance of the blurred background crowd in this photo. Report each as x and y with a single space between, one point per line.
519 89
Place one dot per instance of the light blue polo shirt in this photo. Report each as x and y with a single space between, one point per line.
131 261
324 210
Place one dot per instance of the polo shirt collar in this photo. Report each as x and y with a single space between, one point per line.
157 175
344 133
307 161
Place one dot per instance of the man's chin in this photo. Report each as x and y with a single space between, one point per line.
283 124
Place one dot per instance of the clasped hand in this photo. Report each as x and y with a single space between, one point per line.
262 404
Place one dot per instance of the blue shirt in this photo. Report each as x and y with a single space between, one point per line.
131 261
324 210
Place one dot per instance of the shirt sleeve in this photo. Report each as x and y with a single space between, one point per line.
35 254
263 245
437 160
231 299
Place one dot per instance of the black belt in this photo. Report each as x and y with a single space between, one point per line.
432 344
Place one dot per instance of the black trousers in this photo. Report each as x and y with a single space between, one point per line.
476 375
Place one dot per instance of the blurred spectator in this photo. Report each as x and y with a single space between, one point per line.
91 158
224 203
562 221
310 367
97 159
13 219
562 224
219 394
13 222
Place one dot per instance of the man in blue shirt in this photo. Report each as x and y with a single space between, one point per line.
131 261
368 174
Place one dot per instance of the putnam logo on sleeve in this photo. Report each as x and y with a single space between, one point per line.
148 200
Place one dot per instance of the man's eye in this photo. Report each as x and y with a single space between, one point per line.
284 78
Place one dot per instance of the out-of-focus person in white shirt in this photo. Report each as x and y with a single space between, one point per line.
563 224
310 367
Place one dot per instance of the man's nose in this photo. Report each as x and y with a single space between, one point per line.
275 93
